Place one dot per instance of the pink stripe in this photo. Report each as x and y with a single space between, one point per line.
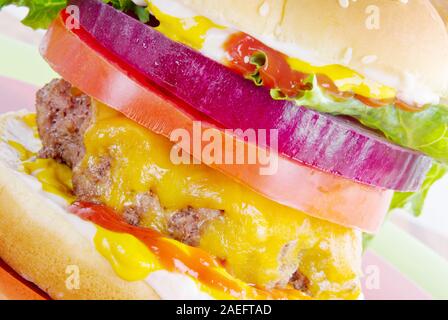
382 281
16 95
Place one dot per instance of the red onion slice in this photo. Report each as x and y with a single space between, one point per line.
332 144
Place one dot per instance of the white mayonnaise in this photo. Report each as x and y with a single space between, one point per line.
140 3
175 286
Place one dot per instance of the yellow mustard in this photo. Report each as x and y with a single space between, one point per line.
189 31
55 177
346 79
129 257
30 121
132 260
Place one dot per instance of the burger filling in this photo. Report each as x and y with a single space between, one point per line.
120 164
415 119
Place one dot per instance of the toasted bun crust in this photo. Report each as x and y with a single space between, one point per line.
40 244
410 47
442 7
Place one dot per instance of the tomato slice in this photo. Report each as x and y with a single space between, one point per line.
81 61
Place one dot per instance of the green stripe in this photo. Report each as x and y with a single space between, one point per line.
23 62
414 259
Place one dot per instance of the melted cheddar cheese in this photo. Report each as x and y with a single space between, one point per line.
258 239
193 31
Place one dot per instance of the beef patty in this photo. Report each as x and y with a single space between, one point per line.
63 115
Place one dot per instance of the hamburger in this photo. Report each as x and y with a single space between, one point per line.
134 177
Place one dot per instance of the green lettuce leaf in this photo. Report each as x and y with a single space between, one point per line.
413 201
258 60
41 12
367 240
142 14
425 131
123 5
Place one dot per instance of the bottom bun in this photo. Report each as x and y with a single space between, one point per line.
37 242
